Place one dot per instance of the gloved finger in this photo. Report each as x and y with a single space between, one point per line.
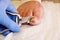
6 32
3 30
11 7
4 19
4 4
8 23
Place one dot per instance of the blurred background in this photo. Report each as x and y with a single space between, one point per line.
49 29
41 0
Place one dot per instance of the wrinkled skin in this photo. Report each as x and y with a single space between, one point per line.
31 8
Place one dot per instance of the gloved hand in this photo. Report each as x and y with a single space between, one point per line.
5 21
32 9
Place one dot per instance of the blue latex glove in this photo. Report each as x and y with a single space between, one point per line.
6 5
11 7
